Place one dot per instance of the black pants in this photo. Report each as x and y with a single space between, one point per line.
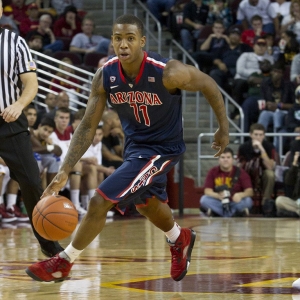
16 151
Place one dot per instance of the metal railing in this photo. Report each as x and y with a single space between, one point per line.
202 156
47 68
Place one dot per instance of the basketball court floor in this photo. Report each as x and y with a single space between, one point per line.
238 258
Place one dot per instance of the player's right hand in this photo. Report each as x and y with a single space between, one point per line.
58 182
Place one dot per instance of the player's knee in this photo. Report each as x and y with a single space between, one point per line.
99 205
150 207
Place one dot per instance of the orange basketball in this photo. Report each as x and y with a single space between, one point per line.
55 217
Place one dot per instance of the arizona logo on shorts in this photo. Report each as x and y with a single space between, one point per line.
112 78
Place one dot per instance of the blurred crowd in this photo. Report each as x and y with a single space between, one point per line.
249 47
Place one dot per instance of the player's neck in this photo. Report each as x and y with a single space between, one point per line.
132 70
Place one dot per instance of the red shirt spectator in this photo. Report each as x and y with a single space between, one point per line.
68 24
248 35
19 9
32 21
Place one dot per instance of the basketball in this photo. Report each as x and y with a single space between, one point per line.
54 217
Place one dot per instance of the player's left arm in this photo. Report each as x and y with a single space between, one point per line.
185 77
85 132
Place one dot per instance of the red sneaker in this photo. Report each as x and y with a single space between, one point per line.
181 252
18 214
52 269
5 215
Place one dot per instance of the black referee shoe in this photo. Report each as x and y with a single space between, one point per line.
50 249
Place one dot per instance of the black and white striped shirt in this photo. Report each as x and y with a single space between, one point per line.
15 59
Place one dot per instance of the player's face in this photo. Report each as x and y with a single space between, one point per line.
44 132
127 42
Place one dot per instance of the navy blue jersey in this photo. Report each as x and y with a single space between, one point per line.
147 111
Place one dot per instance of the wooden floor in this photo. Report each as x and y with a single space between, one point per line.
238 258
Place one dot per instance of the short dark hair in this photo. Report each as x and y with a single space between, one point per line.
48 122
255 18
228 150
132 20
257 126
64 110
29 106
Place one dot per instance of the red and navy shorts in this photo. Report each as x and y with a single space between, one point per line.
142 175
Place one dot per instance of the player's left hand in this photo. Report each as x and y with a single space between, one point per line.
58 182
221 141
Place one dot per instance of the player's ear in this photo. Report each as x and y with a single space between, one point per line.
143 41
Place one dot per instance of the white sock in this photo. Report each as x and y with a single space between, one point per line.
84 199
75 197
174 233
71 253
11 200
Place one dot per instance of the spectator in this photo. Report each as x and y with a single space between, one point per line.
93 156
248 8
35 42
87 41
68 24
289 47
31 22
50 101
31 115
194 19
272 47
256 30
227 189
104 59
6 20
46 8
212 44
291 120
292 20
220 11
247 64
175 18
113 139
295 70
62 100
282 8
60 6
257 157
50 44
59 85
19 11
288 205
62 137
160 9
279 95
254 102
48 153
226 59
6 188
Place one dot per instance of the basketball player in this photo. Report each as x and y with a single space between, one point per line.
17 69
144 89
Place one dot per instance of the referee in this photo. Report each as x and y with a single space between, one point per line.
18 87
